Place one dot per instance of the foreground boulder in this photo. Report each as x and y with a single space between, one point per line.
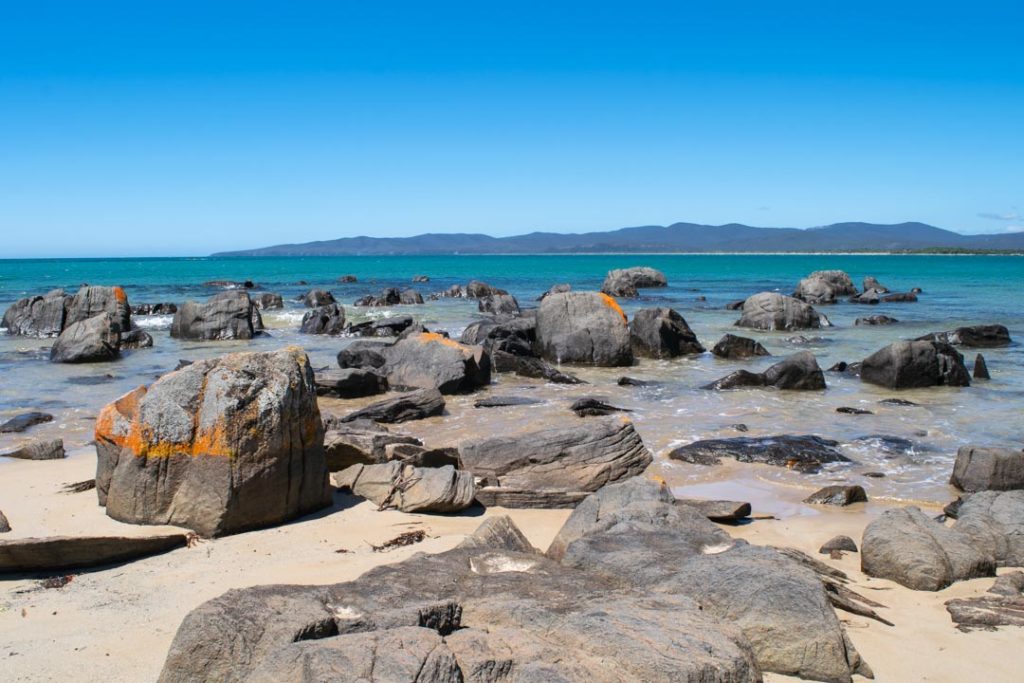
427 360
219 446
228 315
662 333
415 405
554 467
977 336
93 340
994 523
906 546
801 453
583 327
988 469
734 347
398 486
799 372
915 364
329 319
625 282
773 311
59 553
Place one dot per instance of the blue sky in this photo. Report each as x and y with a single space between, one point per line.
132 129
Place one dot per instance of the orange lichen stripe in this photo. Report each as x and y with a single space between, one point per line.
614 305
125 408
440 338
120 295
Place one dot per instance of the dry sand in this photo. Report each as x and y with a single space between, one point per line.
116 624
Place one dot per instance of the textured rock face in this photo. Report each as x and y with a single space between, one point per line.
90 302
799 372
220 446
266 301
624 282
871 283
772 311
363 353
415 405
994 523
329 319
515 335
823 286
988 469
802 453
527 366
915 364
37 316
499 304
427 360
55 553
410 489
93 340
228 315
734 347
662 333
978 336
583 327
908 547
315 298
40 449
838 495
360 443
550 467
350 383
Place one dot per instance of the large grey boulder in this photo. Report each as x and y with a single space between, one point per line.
220 446
906 546
823 286
512 334
427 360
625 281
662 333
228 315
870 283
415 405
59 553
915 364
803 453
733 347
37 316
799 372
988 469
554 467
90 302
93 340
499 304
328 319
976 336
395 485
583 327
994 523
773 311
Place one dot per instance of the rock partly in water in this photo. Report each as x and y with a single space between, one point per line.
626 281
801 453
93 340
823 286
415 405
328 319
58 553
876 320
37 316
980 368
594 407
364 353
222 445
662 333
499 304
398 486
773 311
724 511
840 543
915 364
229 315
988 469
315 298
583 327
847 410
734 347
350 383
505 402
512 334
39 449
554 467
871 283
391 326
527 366
799 372
20 423
907 546
976 336
427 360
266 301
838 495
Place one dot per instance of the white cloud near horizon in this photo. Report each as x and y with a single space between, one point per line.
1011 216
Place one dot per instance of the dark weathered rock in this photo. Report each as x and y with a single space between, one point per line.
593 407
526 366
415 405
90 302
727 511
38 449
230 284
634 382
356 443
898 402
555 289
162 308
348 279
841 543
838 495
625 282
799 372
478 290
512 334
315 298
906 546
875 320
734 347
136 339
37 316
871 283
915 364
988 469
977 336
662 333
5 526
980 368
389 296
556 464
268 300
993 521
329 319
220 446
93 340
57 553
1005 607
363 353
773 311
900 298
350 383
499 304
802 453
20 423
391 326
430 361
421 278
410 489
847 410
583 327
505 401
228 315
869 297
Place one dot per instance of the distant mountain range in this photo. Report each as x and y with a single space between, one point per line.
678 237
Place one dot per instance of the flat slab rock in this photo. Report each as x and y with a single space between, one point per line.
1002 606
838 495
802 453
718 510
415 405
70 552
20 423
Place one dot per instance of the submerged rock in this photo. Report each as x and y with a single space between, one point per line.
802 453
876 320
220 446
592 407
662 333
915 364
772 311
527 366
798 372
583 327
505 402
734 347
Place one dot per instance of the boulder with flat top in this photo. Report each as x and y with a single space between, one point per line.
228 315
773 311
583 327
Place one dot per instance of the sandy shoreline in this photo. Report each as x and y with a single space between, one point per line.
115 624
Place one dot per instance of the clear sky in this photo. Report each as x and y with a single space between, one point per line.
180 128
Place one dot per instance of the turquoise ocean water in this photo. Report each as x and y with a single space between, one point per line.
957 290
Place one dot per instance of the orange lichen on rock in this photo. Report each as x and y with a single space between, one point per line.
115 420
614 305
427 337
120 295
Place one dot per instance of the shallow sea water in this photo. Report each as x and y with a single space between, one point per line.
958 290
